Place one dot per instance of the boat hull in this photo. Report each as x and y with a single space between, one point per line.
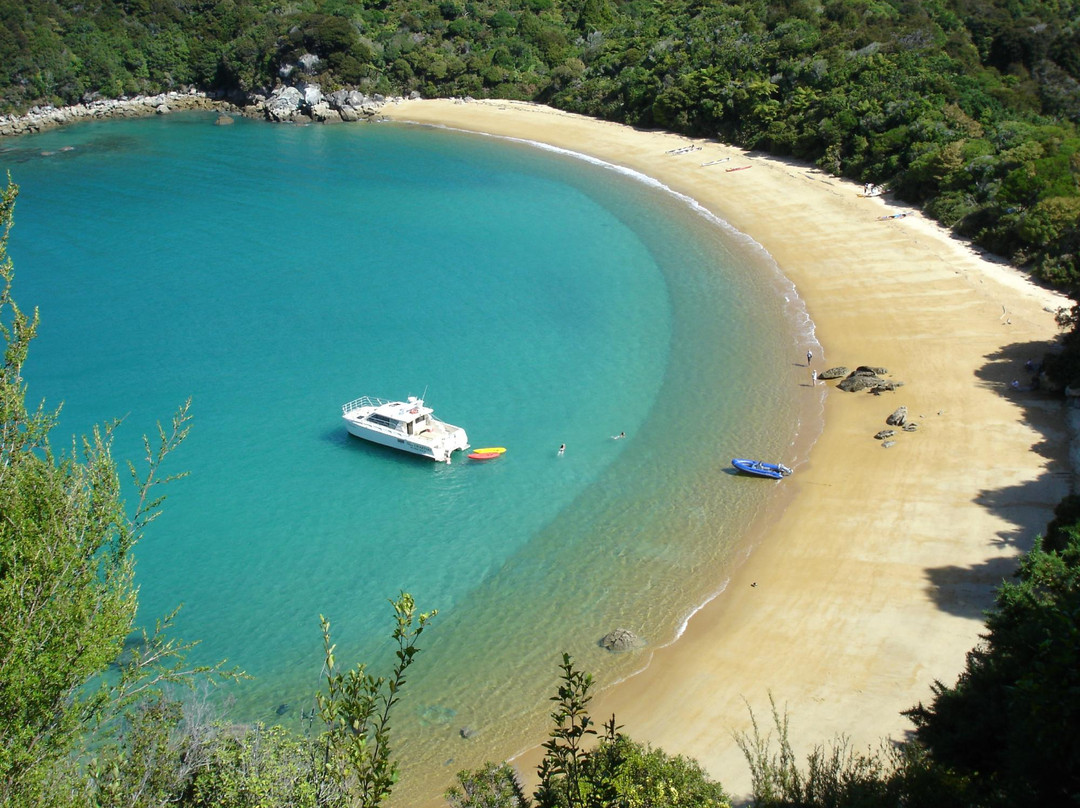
775 471
394 442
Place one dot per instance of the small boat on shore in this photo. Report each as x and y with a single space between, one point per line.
685 149
775 470
406 425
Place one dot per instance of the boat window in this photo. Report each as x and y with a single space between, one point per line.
382 420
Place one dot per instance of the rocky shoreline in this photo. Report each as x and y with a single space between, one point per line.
300 104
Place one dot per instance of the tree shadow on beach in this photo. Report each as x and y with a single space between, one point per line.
1025 508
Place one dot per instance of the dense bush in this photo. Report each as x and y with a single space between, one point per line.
1009 723
575 773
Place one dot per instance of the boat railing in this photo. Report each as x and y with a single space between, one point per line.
363 401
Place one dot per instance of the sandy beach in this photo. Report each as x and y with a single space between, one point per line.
870 580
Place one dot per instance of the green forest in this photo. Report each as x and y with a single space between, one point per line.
968 108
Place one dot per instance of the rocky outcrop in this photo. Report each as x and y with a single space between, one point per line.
621 639
306 102
867 377
49 117
302 103
284 105
313 95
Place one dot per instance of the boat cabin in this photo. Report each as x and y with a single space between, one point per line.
410 418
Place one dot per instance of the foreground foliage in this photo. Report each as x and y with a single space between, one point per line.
835 775
356 708
1010 721
67 596
575 774
177 753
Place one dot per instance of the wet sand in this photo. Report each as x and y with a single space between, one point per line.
871 582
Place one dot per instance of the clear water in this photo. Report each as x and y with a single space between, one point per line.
272 273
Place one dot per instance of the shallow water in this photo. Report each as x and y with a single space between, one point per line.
272 273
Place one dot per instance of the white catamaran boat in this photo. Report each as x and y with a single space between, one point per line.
406 425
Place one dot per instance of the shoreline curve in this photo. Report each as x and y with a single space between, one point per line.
871 582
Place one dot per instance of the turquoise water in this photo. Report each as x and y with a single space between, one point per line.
272 273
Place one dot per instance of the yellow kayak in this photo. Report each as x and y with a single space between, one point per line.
490 450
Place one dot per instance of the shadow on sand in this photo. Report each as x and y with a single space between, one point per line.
1025 508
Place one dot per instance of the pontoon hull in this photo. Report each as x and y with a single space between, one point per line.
776 471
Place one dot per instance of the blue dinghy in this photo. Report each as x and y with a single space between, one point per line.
775 470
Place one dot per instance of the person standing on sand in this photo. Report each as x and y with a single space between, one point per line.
813 377
809 358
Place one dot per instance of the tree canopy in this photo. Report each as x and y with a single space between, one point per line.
1009 723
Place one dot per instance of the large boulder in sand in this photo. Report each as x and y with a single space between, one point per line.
868 378
898 418
833 373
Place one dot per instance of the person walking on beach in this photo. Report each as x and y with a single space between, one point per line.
813 377
809 358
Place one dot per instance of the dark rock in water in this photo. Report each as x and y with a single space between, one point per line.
467 732
223 120
885 433
282 709
621 639
898 418
833 373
